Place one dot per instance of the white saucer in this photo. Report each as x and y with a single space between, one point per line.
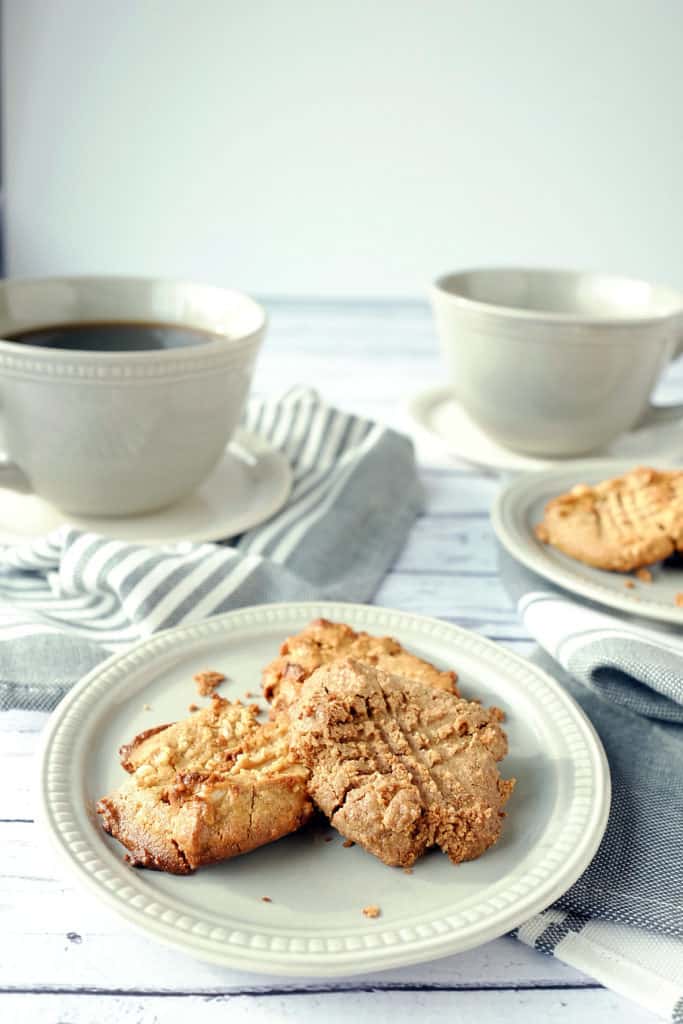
250 484
439 414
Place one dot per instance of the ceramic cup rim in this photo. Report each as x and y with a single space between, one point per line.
445 287
220 346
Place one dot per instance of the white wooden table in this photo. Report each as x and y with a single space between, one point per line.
64 958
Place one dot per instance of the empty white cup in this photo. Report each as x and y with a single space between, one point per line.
556 362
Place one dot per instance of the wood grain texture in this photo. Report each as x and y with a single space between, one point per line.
520 1006
57 943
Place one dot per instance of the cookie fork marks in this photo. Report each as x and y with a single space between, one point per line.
621 524
398 766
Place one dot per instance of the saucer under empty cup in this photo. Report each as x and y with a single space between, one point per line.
444 423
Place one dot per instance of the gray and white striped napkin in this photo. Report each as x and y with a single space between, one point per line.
622 921
69 600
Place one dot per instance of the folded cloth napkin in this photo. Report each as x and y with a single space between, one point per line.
69 600
622 921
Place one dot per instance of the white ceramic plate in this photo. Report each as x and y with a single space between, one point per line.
314 925
439 415
519 506
251 483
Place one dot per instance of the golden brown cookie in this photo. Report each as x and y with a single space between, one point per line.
621 524
205 789
323 642
398 766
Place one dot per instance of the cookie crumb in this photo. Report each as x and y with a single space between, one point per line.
371 911
193 707
328 839
248 694
146 707
629 584
407 871
207 682
679 599
348 843
644 575
266 899
541 531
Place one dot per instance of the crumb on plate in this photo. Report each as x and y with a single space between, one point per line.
146 707
266 899
207 682
348 843
407 871
193 707
644 575
679 599
371 911
629 584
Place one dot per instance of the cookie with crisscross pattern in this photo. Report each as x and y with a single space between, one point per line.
398 766
207 788
621 524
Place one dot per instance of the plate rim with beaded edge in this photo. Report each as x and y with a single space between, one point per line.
556 816
518 506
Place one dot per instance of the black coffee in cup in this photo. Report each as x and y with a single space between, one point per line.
123 336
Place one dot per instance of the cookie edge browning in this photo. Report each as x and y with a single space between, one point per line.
159 844
275 674
145 849
128 750
165 851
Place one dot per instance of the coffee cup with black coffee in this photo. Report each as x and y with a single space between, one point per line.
119 395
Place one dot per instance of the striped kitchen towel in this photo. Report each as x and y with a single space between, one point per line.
622 921
69 600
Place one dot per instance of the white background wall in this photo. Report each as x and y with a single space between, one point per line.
343 148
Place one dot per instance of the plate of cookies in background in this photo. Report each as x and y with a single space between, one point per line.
323 789
606 530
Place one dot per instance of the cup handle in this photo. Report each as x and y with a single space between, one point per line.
657 414
11 477
678 349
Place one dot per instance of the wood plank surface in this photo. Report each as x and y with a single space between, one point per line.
517 1006
65 958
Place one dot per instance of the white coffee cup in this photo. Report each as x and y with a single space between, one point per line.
556 362
120 433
